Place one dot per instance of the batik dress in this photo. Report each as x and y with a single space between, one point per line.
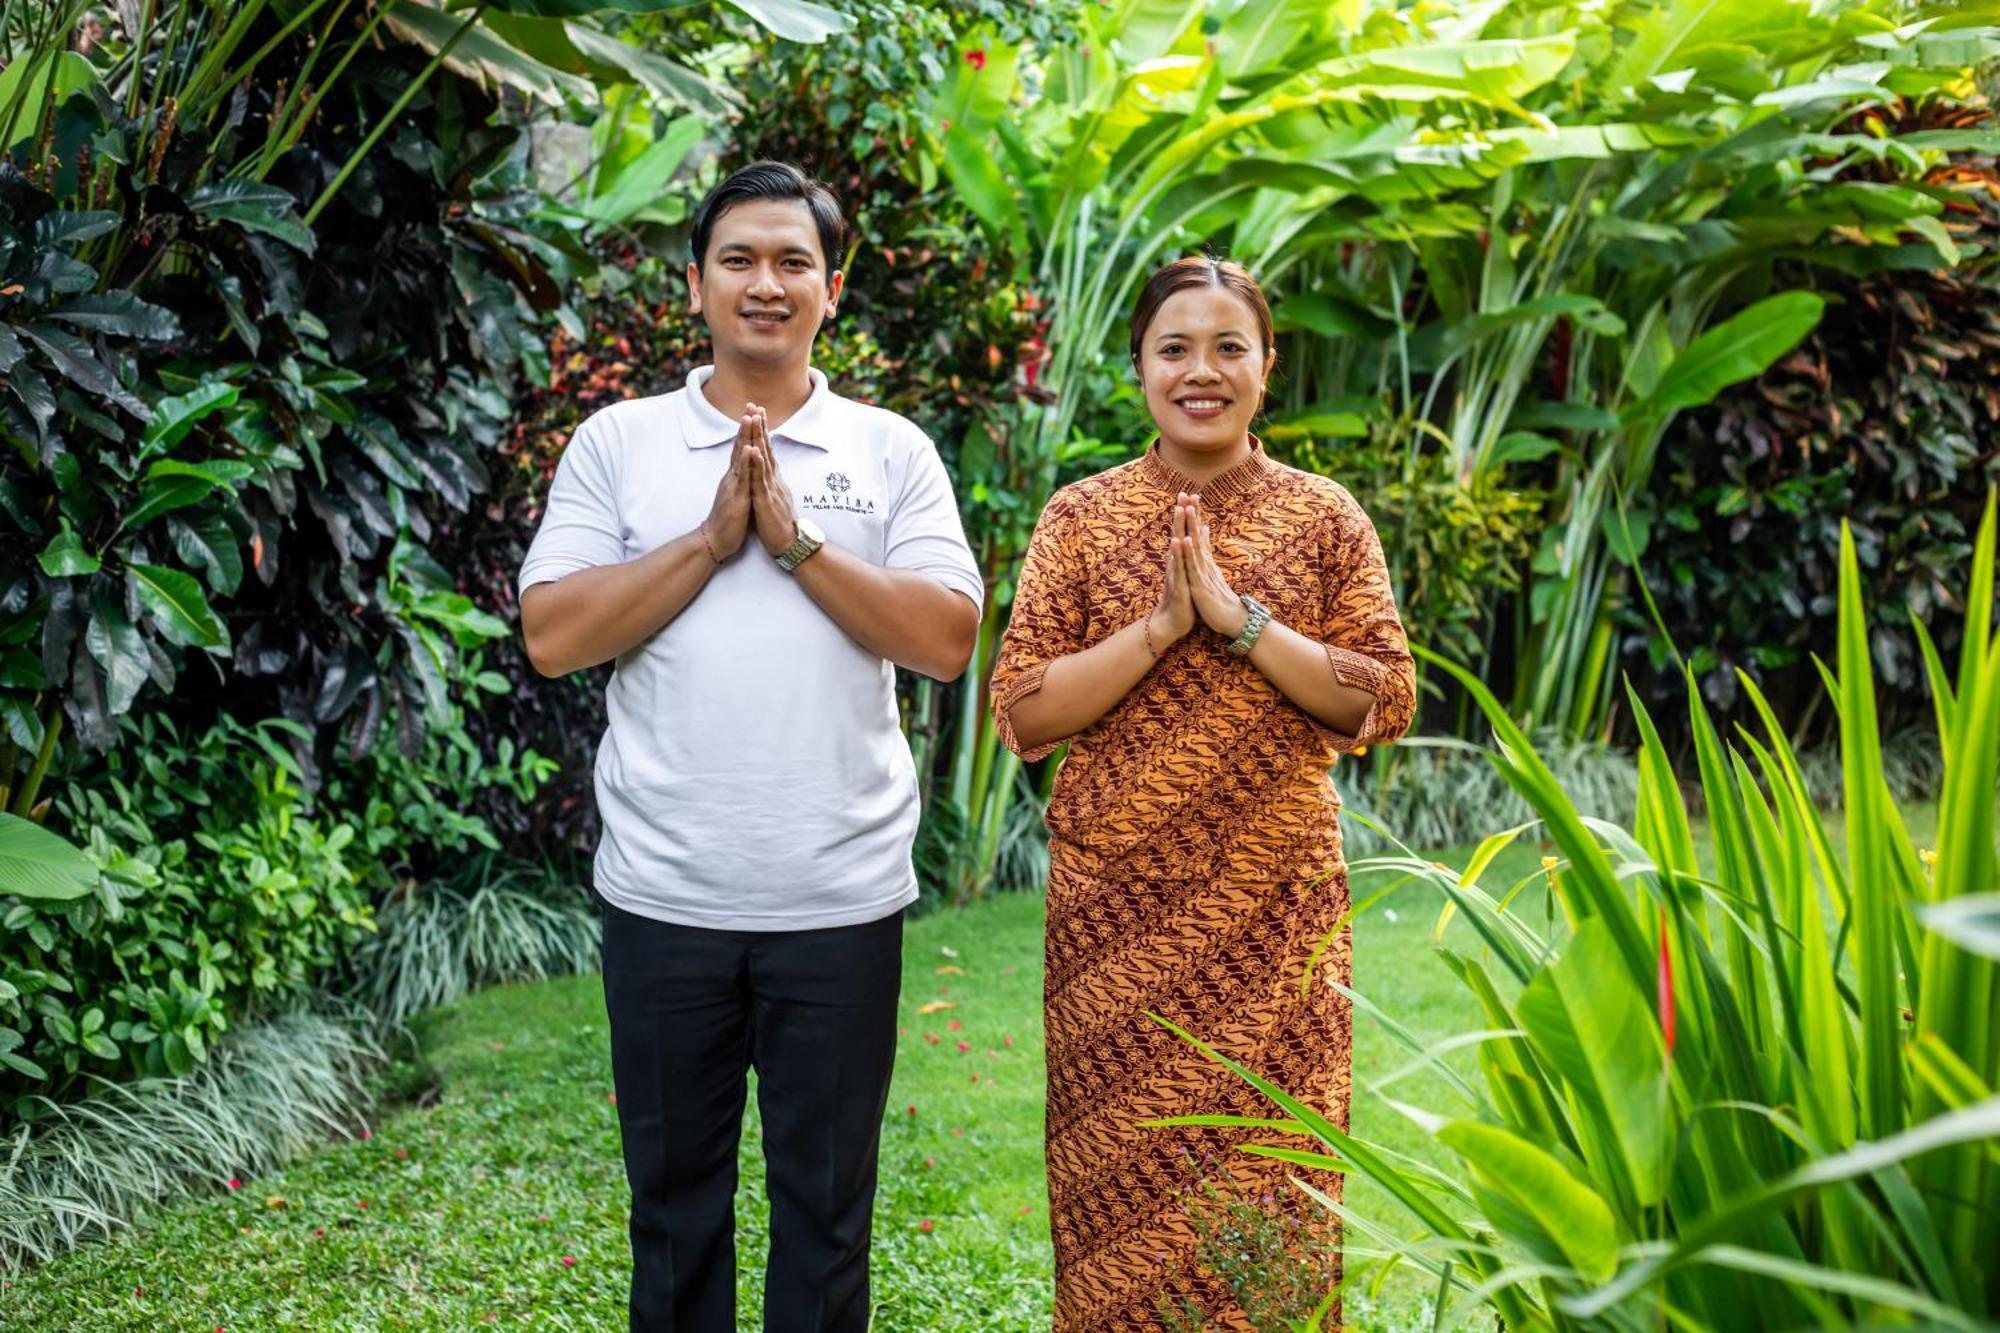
1196 873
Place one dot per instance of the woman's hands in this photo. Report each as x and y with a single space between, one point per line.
1173 617
1214 600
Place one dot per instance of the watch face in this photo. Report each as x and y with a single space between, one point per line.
812 531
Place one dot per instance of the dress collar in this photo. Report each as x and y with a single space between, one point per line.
1245 477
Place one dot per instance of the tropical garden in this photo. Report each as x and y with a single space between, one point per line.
1659 338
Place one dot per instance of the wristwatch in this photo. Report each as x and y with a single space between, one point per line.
806 538
1246 638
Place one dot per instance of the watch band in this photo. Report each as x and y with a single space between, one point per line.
803 545
1246 639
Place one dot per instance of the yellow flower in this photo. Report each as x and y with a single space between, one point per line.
1360 750
1550 863
1928 856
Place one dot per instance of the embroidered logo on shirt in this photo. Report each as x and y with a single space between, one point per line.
835 497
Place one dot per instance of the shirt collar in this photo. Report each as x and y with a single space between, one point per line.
704 426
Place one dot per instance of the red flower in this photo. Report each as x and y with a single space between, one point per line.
924 1225
235 1184
954 1025
932 1038
569 1261
930 1161
1007 1041
976 59
361 1203
913 1110
964 1046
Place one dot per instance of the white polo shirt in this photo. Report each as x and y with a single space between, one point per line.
753 776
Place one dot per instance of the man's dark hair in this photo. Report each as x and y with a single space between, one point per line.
771 180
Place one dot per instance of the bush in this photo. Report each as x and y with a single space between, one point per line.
490 923
272 1091
1885 418
225 886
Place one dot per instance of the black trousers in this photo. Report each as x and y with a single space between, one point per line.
692 1011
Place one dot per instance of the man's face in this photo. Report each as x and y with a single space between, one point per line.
764 287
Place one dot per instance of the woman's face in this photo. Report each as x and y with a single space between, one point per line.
1203 365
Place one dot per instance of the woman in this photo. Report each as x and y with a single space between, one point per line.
1209 629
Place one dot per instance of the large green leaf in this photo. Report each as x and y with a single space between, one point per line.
35 863
119 648
1590 1023
1572 1214
642 182
174 417
175 602
483 56
79 364
981 185
1735 350
65 556
165 494
121 314
1258 33
1499 71
206 540
667 79
254 206
796 20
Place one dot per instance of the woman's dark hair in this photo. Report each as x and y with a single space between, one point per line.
1198 271
771 180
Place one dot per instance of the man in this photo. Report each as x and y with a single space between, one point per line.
757 554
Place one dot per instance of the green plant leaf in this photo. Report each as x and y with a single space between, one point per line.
1590 1023
65 557
256 207
796 20
1737 349
175 603
1971 921
120 314
165 494
1572 1214
119 648
79 364
174 417
35 863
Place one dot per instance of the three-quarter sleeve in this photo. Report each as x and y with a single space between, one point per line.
1046 623
1364 640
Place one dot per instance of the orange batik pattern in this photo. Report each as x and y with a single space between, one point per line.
1195 869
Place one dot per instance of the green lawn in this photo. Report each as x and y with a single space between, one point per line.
504 1200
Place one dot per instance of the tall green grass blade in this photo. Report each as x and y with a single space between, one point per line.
1876 919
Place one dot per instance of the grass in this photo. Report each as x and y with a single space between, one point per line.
462 1212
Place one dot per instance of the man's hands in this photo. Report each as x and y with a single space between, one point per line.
770 499
750 491
728 520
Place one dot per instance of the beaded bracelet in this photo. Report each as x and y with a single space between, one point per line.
702 527
1147 624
